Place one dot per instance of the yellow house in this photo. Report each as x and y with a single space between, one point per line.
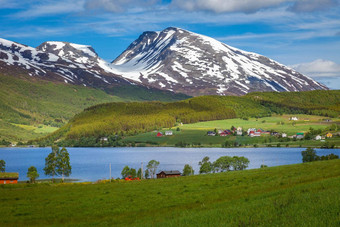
329 135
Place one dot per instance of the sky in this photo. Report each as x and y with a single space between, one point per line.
303 34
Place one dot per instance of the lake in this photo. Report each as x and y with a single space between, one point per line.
91 164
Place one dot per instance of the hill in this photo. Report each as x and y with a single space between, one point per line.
132 118
294 195
31 107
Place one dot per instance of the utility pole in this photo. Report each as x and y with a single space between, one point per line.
141 174
110 172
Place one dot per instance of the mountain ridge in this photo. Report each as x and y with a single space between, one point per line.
180 60
173 60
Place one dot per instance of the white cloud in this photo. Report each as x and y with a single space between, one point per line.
319 68
118 5
48 8
312 5
222 6
249 6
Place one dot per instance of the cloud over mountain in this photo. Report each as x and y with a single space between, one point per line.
319 68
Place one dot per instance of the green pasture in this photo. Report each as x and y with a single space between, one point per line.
266 123
294 195
196 133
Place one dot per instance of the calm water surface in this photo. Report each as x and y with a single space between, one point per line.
91 164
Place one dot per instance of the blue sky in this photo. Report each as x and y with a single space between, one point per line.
304 34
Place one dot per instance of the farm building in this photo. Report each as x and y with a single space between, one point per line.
167 174
168 133
159 134
293 118
300 135
9 178
284 135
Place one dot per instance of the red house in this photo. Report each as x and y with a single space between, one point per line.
9 178
159 134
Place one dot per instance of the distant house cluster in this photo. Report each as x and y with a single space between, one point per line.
238 131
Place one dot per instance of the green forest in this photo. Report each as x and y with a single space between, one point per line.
119 119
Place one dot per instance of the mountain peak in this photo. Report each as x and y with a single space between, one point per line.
182 61
67 49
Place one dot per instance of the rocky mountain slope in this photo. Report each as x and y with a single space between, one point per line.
182 61
58 61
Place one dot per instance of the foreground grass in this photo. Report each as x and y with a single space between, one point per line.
295 195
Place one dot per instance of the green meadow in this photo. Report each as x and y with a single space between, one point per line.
294 195
196 133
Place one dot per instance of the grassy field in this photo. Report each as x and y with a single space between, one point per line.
295 195
196 133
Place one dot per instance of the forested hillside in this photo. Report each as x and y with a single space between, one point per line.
27 103
326 103
133 118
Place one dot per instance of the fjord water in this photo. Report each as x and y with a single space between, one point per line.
91 164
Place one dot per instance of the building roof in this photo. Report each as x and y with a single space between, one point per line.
9 175
171 172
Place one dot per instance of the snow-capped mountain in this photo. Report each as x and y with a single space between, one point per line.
58 61
174 59
186 62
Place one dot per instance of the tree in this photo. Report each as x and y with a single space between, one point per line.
125 172
51 163
152 167
263 166
146 174
2 166
223 164
32 174
58 163
188 170
133 173
205 165
240 163
139 173
309 155
63 163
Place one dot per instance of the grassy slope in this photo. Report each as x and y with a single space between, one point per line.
28 102
196 132
295 195
133 118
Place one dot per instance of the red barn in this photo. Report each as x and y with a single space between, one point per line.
159 134
9 178
167 174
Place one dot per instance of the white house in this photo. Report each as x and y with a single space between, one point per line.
168 133
284 135
293 118
318 137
